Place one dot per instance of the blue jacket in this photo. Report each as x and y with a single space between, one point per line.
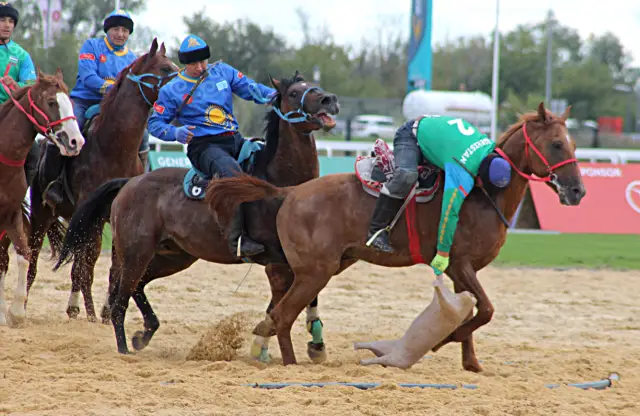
99 64
210 109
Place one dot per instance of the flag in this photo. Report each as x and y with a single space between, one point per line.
56 19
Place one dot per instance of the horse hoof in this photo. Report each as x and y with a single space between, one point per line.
92 319
106 315
260 354
317 352
124 351
265 329
15 321
138 341
73 312
473 366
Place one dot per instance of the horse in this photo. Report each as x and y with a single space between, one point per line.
44 107
322 224
111 151
158 230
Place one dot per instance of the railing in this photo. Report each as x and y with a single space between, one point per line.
618 156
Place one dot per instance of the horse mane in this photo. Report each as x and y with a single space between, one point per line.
526 118
109 99
8 105
272 128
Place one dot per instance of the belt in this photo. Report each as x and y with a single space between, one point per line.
226 133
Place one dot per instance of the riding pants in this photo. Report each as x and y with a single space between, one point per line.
216 155
407 156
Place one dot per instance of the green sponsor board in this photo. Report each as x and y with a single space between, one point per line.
328 165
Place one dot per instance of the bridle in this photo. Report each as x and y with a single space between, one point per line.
47 130
137 79
551 176
303 115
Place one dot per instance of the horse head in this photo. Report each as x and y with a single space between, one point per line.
305 104
549 153
152 70
52 113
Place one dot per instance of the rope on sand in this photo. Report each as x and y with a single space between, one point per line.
596 385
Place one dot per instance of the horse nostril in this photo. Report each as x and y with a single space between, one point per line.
578 191
326 100
73 143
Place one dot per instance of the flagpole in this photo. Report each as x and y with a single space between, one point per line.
494 80
117 4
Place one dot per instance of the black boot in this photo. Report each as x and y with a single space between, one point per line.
248 247
53 164
31 164
386 209
144 158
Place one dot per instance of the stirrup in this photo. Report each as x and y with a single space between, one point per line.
375 235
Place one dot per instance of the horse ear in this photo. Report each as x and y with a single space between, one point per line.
275 83
565 115
163 50
542 112
38 73
154 47
59 74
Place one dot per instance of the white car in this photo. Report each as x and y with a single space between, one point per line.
369 125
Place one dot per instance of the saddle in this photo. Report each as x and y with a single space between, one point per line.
373 171
195 182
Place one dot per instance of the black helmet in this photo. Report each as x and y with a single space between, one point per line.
7 10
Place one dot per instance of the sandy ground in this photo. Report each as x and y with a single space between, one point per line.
549 327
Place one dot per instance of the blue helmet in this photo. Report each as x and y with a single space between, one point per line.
118 18
495 170
193 49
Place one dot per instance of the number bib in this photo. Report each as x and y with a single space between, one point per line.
442 138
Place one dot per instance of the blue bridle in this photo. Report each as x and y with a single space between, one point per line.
304 116
138 80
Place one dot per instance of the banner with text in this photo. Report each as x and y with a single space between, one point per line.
610 206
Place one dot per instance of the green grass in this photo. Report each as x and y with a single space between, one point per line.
571 251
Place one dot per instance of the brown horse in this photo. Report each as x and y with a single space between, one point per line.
44 107
111 152
158 231
322 224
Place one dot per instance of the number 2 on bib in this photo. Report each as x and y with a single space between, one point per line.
467 131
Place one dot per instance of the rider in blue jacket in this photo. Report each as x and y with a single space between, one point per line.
208 125
100 61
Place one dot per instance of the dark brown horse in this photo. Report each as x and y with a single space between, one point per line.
322 224
44 108
158 231
111 152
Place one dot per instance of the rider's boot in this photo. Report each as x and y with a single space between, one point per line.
247 247
54 162
378 235
144 158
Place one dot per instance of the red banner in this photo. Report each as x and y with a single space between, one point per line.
611 205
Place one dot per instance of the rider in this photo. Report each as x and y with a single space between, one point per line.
207 120
17 71
101 60
446 142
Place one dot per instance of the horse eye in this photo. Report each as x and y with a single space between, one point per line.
557 145
294 94
52 103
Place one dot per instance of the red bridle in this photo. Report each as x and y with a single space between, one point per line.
550 169
46 130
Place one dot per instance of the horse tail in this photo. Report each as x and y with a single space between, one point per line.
88 218
224 195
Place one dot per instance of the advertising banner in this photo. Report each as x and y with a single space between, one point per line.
611 205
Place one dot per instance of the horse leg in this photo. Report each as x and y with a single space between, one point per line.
114 278
82 272
41 220
17 312
4 267
316 349
465 278
151 323
134 265
306 286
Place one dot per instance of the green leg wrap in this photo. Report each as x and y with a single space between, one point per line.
315 329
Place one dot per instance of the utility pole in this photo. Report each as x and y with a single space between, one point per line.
495 80
547 95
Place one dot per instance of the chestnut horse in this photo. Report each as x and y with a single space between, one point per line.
111 152
322 224
44 107
158 231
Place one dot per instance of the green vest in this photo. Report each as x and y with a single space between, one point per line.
442 138
16 63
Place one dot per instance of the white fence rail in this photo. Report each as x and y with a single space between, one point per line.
618 156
